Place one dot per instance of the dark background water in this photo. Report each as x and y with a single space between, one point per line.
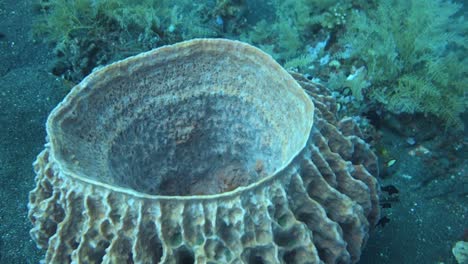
427 217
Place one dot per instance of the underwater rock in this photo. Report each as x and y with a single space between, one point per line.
206 151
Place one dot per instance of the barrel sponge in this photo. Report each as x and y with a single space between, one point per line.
206 151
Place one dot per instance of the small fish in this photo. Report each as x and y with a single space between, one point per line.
386 205
219 20
391 163
390 189
383 221
411 141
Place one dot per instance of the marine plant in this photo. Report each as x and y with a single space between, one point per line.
414 53
403 56
291 25
90 33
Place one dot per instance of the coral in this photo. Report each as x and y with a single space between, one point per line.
414 55
206 151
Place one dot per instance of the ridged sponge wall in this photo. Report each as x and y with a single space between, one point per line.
305 193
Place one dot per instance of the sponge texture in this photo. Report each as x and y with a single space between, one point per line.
206 151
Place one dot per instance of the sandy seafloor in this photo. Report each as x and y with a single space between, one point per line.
426 219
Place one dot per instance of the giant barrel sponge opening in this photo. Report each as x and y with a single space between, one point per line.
206 151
